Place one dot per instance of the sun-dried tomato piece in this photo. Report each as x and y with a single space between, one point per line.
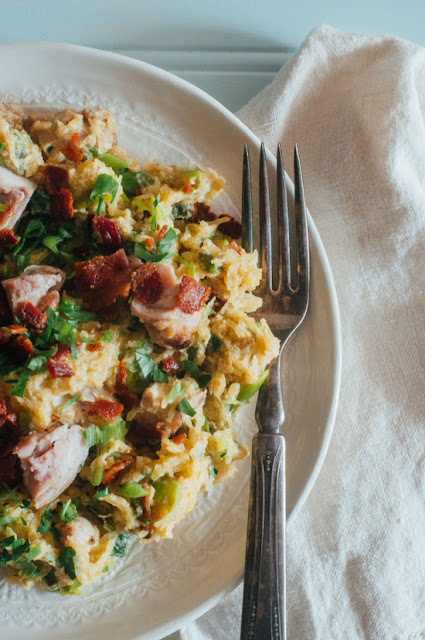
121 386
106 409
170 364
192 295
163 230
7 237
107 232
57 364
236 247
146 282
32 315
72 150
111 474
103 279
55 179
202 211
62 205
26 345
232 228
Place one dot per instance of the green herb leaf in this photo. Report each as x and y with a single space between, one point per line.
102 493
192 368
66 561
131 182
121 545
164 245
148 368
18 389
176 391
185 407
46 520
9 490
104 185
95 435
34 552
70 402
215 343
110 160
204 379
141 252
69 512
180 211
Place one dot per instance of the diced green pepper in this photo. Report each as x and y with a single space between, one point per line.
167 492
131 490
248 390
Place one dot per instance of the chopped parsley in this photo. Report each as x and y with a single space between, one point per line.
70 402
215 343
66 561
184 406
180 211
107 431
68 512
105 187
148 368
132 181
46 520
121 545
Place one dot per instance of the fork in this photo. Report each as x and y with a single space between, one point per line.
285 302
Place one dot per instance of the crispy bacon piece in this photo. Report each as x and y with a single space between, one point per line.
147 284
219 304
95 346
57 364
236 247
11 330
26 345
61 205
121 386
149 243
111 474
202 212
106 410
192 295
232 228
7 237
170 364
55 179
103 279
187 187
106 232
72 150
32 315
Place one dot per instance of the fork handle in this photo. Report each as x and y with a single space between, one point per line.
264 600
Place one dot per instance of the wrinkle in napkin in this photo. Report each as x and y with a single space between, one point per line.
355 106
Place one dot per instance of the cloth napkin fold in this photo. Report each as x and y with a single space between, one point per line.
355 106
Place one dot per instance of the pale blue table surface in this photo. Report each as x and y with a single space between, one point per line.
230 48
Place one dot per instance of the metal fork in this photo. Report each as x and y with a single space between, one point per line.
284 307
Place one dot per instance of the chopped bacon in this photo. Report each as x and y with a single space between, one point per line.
187 187
106 232
232 228
11 330
26 345
55 179
57 365
3 410
147 284
120 384
163 230
72 150
32 315
61 205
192 295
7 237
236 247
106 410
146 431
179 438
202 212
145 527
170 364
111 474
103 279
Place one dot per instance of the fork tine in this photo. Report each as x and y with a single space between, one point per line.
265 226
303 262
283 225
247 233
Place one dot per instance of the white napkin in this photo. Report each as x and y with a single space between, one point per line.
355 106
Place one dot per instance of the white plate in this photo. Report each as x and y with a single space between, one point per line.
162 586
